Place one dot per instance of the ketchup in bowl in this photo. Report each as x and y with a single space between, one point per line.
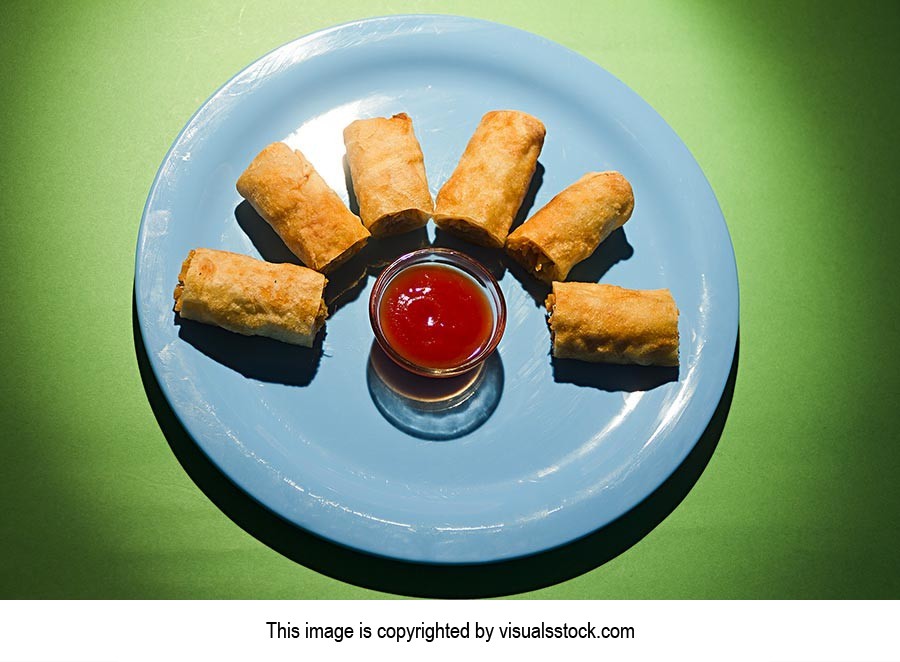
437 312
435 316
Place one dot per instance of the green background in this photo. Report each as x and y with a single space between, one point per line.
791 112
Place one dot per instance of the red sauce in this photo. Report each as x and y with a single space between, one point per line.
435 316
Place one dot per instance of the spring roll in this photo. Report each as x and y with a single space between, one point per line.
570 227
251 297
484 193
388 172
310 218
609 324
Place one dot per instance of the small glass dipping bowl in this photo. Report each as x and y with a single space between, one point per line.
480 277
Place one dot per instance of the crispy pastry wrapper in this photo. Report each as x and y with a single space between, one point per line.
609 324
388 171
310 218
570 227
484 193
251 297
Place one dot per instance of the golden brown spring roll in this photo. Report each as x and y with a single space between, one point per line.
310 218
251 297
482 196
609 324
570 227
388 171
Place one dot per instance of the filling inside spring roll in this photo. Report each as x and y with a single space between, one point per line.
604 323
251 297
534 259
570 227
388 172
304 211
481 198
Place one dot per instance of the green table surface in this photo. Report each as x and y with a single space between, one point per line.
791 110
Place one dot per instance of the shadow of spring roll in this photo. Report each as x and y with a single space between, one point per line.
482 196
251 297
570 227
307 214
388 172
608 324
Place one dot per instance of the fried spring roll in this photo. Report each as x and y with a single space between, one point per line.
310 218
388 171
482 196
570 227
609 324
251 297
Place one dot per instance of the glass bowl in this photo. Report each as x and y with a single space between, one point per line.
457 261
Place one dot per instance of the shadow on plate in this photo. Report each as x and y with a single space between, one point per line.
614 249
490 258
381 252
609 377
254 356
536 289
537 179
264 238
424 580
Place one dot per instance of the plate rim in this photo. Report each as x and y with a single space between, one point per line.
706 409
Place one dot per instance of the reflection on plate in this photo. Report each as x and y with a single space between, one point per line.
556 450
